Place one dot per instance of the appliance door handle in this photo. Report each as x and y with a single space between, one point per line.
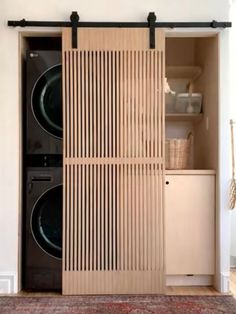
41 178
34 179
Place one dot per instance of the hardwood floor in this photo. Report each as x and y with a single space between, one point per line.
191 290
171 290
232 284
203 290
38 294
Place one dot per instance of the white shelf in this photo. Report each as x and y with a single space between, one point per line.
183 72
194 117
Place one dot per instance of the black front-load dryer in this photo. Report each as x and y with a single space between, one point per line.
43 102
42 244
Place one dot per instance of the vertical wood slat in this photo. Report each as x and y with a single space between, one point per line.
86 104
129 212
64 229
159 172
137 205
71 166
98 103
136 148
67 143
117 152
152 140
125 221
79 221
125 142
129 153
86 182
145 144
102 235
94 172
98 185
110 211
121 177
90 220
109 208
121 103
148 172
125 139
106 147
132 196
102 107
82 105
155 187
162 167
83 219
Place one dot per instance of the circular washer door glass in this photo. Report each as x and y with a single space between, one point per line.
46 221
47 101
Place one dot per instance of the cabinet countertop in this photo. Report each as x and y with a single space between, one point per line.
191 172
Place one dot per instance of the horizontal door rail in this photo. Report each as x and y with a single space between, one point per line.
151 24
212 24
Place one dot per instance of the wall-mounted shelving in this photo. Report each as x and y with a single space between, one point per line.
192 117
183 72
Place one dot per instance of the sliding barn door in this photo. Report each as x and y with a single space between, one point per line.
113 162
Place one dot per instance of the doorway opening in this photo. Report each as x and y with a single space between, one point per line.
40 237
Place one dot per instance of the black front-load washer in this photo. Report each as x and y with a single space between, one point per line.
42 243
43 102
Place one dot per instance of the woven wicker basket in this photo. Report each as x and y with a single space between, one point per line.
178 152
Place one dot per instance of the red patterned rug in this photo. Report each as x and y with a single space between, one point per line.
118 305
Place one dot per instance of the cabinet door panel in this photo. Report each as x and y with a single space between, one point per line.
190 224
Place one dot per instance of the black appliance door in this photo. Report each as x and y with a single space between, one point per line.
47 101
46 221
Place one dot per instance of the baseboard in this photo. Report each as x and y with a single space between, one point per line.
8 283
224 282
232 261
183 280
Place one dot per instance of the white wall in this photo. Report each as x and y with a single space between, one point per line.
103 10
233 116
233 239
121 10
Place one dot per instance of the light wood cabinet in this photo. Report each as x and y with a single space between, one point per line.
190 196
190 224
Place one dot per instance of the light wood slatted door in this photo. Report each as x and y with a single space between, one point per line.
113 163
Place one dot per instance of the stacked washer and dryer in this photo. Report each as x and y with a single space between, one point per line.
42 244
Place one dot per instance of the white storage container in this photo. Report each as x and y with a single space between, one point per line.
188 103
